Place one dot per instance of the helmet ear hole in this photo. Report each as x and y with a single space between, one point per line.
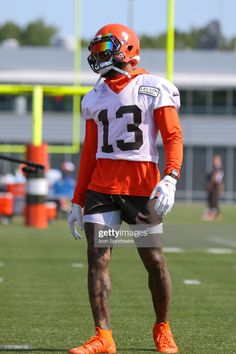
130 47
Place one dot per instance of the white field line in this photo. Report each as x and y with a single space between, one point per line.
191 282
219 250
173 250
224 241
1 264
1 279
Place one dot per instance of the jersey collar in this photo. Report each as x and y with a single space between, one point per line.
119 82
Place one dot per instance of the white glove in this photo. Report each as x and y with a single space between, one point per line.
165 191
76 217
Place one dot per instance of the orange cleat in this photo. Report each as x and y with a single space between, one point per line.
163 338
101 343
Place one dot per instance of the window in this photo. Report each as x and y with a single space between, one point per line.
199 102
58 103
234 102
186 101
199 168
219 102
234 173
6 102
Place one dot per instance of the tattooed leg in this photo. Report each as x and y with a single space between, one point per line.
99 284
158 280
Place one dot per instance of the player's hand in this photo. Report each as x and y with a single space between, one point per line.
76 217
165 191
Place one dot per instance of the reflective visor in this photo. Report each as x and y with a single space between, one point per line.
103 46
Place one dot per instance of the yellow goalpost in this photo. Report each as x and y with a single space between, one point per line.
170 40
37 93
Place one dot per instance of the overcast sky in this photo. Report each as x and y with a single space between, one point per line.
148 16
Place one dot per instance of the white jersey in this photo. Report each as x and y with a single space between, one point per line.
126 126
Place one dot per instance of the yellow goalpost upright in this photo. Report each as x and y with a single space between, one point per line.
170 40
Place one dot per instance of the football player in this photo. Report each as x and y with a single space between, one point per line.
118 176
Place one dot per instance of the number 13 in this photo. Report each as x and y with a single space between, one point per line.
131 128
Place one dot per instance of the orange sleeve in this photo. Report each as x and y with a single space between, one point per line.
87 163
168 123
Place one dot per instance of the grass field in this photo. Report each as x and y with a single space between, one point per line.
43 296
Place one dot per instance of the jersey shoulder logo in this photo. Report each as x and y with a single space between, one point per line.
149 90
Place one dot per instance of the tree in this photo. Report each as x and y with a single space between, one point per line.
10 30
37 33
233 43
209 37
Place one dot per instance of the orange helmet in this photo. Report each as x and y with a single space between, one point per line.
112 46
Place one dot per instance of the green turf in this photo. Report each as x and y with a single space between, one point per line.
44 304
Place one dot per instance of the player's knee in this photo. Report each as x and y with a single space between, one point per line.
98 258
155 263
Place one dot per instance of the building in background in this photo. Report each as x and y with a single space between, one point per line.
207 83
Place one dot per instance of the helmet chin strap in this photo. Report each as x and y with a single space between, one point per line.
97 83
121 71
111 67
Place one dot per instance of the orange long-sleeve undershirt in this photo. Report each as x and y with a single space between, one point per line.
87 162
167 121
127 177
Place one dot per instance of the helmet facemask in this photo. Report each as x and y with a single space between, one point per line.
106 55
